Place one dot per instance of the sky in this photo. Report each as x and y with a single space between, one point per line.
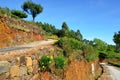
94 18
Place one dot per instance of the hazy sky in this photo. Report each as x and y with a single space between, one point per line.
94 18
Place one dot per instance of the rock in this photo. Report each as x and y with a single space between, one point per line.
35 69
35 62
13 62
15 71
23 71
22 60
3 77
4 66
17 60
33 57
28 61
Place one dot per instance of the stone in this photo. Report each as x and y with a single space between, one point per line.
4 66
22 60
3 77
33 57
35 69
35 62
23 71
28 61
13 62
14 71
17 60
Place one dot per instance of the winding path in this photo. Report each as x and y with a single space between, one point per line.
27 49
27 46
113 71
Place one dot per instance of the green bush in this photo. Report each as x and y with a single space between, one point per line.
19 14
112 55
60 62
114 64
89 53
69 45
4 11
45 62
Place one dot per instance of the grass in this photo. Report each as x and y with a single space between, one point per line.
114 64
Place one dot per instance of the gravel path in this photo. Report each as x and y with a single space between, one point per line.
115 73
27 46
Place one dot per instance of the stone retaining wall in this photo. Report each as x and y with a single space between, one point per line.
22 67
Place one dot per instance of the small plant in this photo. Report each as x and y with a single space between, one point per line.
45 62
60 62
28 72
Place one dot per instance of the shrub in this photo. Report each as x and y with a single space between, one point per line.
102 56
69 45
18 13
4 11
89 53
114 64
45 62
60 62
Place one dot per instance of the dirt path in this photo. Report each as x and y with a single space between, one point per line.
114 72
27 46
28 49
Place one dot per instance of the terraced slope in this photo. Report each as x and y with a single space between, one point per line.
14 32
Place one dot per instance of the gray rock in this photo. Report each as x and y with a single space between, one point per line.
4 66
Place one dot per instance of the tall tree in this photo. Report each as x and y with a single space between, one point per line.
116 39
65 29
32 8
65 26
78 35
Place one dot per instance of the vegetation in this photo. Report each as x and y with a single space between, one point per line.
71 42
19 14
116 39
5 11
60 61
114 64
45 62
32 8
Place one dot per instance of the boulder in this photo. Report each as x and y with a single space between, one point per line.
15 71
4 66
23 71
28 61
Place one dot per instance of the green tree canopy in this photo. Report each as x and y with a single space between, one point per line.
19 13
78 35
32 8
64 31
116 39
99 44
65 26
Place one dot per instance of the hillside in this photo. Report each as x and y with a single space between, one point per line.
15 32
32 50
